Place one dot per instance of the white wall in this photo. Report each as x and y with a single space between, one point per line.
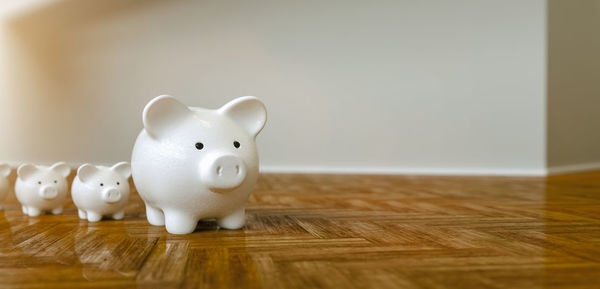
364 86
573 85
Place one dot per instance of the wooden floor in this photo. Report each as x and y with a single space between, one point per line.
325 231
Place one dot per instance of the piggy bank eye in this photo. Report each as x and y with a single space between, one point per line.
39 182
55 181
102 184
118 183
199 145
236 144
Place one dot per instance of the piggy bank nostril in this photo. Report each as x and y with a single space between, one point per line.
228 169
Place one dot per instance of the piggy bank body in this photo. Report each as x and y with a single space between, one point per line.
100 191
42 188
193 163
4 183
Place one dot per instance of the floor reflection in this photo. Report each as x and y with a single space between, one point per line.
107 253
32 247
40 248
209 258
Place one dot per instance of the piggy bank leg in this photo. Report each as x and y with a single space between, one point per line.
234 220
93 217
179 222
118 215
82 214
57 211
24 208
155 216
33 212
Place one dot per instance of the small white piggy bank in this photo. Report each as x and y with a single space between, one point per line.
42 188
99 191
193 163
4 183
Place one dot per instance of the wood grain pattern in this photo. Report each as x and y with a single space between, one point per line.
330 231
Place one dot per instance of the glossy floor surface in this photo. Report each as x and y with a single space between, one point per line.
325 231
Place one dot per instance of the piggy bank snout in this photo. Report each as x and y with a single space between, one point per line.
48 192
223 172
111 195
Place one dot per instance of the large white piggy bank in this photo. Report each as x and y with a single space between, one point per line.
192 163
99 191
42 188
4 183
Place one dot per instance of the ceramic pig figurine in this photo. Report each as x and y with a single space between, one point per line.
192 163
99 191
42 188
4 183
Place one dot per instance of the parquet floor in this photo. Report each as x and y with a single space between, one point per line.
327 231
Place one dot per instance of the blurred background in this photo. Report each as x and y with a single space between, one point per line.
504 87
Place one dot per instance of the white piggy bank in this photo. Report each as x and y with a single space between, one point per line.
193 163
99 191
4 183
42 188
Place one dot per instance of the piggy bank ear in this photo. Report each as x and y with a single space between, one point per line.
61 168
248 112
123 169
4 170
162 114
26 171
86 172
